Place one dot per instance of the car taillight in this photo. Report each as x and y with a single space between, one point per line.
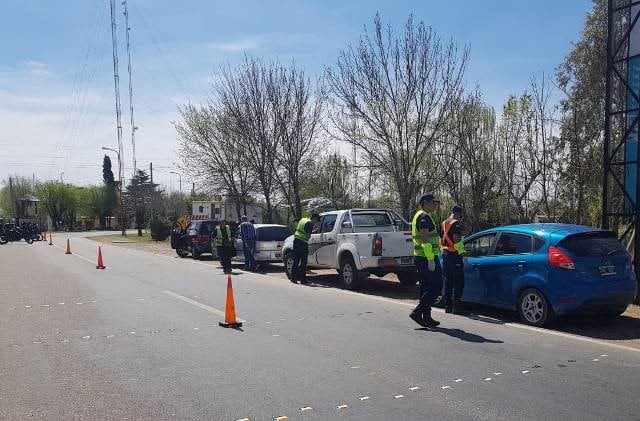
559 259
377 246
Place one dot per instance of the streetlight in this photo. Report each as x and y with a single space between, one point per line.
179 177
122 219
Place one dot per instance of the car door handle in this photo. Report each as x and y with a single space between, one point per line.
475 266
521 263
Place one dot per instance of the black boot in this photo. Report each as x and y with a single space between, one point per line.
428 321
416 316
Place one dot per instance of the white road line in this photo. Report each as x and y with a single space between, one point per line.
76 255
411 305
198 304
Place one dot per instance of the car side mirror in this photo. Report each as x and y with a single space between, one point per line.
347 224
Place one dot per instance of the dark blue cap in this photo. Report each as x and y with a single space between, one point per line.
428 197
457 209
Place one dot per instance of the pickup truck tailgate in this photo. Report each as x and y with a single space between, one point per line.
396 244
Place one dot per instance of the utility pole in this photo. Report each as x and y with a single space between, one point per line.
116 80
151 190
133 125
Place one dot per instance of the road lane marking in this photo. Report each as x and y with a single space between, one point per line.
364 398
306 409
198 304
488 379
497 374
343 406
526 371
243 419
282 418
392 301
595 360
445 387
399 396
604 355
457 380
414 388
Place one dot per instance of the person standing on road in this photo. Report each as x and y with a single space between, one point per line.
224 244
248 237
426 246
452 250
301 248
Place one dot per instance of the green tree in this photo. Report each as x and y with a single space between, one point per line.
109 197
59 201
22 186
582 77
142 197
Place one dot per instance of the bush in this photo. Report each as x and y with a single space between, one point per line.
160 229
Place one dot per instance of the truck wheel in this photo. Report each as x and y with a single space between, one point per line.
534 308
407 278
288 264
349 273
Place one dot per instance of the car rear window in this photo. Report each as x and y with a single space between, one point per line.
273 233
371 219
207 227
593 244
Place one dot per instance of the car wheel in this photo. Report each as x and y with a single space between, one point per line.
615 312
4 239
534 308
407 278
194 252
182 252
349 273
288 264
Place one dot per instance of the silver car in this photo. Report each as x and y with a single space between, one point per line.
269 241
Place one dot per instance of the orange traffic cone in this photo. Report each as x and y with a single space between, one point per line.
51 239
230 309
68 247
100 264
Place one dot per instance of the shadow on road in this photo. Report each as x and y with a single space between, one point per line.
462 335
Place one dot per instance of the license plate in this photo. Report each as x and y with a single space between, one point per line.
278 255
607 270
406 260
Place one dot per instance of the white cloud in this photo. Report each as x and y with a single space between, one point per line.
238 46
36 68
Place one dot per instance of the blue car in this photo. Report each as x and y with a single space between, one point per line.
546 270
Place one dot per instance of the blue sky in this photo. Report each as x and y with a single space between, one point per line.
56 80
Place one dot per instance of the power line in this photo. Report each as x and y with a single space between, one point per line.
133 126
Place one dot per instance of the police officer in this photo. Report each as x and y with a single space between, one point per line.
301 248
426 247
452 250
224 244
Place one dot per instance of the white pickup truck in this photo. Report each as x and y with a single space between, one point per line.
359 242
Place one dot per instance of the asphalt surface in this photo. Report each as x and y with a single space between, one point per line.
140 340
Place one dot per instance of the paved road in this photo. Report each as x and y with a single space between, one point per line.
140 340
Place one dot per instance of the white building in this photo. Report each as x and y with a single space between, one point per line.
221 209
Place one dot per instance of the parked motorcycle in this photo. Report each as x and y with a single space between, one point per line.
12 233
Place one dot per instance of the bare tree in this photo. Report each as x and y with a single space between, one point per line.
471 158
298 106
392 96
244 94
213 154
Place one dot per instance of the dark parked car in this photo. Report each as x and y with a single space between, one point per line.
196 239
545 270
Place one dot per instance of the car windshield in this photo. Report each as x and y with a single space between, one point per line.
273 233
593 244
207 227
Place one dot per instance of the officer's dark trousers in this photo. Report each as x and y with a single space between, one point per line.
300 256
430 284
453 279
224 253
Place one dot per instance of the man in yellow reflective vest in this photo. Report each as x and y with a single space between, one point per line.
224 244
426 247
301 248
452 251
